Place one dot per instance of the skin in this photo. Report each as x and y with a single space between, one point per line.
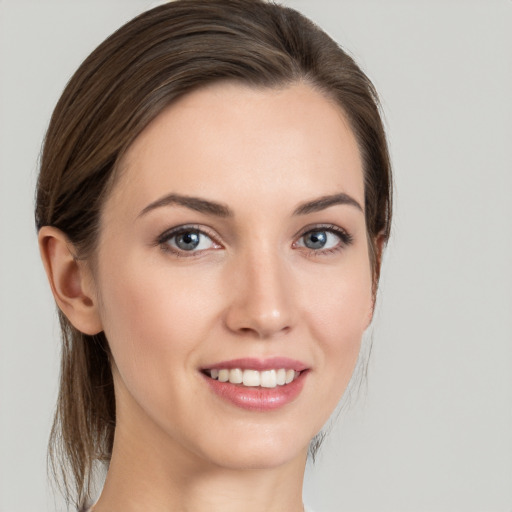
252 290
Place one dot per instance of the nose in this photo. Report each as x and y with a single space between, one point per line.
261 299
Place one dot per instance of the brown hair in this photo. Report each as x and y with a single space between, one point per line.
124 84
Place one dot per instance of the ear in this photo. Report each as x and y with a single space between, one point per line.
70 280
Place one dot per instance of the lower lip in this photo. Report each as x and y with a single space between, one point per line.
258 398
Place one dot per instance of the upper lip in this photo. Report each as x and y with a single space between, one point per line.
251 363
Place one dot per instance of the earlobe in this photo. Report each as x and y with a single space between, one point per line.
70 281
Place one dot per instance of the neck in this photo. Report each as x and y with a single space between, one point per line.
151 472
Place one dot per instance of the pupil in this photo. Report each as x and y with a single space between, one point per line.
316 240
187 241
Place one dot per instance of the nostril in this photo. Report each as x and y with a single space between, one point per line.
263 332
254 316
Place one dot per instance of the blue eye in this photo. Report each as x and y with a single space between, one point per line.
186 240
316 239
324 239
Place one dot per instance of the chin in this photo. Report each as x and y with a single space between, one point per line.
266 450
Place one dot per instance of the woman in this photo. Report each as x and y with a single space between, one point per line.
212 205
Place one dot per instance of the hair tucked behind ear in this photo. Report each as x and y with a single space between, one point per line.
124 84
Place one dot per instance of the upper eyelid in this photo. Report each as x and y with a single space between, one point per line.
327 227
208 231
169 233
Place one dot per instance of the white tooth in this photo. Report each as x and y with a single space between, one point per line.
268 379
290 375
223 375
281 377
236 376
251 378
214 374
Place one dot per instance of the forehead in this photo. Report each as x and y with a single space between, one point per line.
232 142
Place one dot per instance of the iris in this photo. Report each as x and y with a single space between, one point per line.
315 239
188 240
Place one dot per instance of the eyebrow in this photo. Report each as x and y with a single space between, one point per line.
193 203
221 210
325 202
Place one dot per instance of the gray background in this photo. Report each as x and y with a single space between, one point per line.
433 430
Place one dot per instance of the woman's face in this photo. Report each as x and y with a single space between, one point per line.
233 246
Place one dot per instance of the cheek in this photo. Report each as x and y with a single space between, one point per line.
151 315
338 314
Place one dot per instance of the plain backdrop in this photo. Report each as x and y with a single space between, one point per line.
432 429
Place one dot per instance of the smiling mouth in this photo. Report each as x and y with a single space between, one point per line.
254 378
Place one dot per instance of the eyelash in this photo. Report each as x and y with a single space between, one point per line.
346 240
170 233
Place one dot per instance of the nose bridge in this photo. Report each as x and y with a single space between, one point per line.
262 301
